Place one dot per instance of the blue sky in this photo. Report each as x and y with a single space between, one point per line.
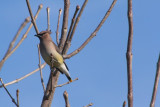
100 66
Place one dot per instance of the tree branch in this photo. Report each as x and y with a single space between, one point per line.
93 34
89 105
66 83
129 55
65 24
68 40
65 95
17 94
48 19
17 80
76 23
22 39
124 104
13 100
57 32
13 41
44 89
33 20
152 104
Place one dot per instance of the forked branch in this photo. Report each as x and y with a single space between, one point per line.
13 100
13 41
27 75
65 24
93 34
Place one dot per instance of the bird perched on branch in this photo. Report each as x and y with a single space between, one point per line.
51 54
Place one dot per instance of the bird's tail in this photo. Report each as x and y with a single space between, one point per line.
63 69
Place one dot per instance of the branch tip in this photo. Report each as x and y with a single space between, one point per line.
27 19
40 6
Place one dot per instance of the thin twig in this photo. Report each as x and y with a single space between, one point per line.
89 105
124 104
93 34
13 100
22 39
66 83
129 54
48 18
44 89
33 20
68 40
17 94
57 32
76 23
152 104
27 75
13 41
65 24
65 95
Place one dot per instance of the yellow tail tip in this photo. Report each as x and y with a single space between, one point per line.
70 80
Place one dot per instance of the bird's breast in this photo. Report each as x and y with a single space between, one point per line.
49 53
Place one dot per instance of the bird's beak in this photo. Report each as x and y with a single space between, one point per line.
37 36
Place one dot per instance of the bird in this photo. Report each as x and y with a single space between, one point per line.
51 53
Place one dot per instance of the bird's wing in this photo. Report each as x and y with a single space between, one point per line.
57 49
66 66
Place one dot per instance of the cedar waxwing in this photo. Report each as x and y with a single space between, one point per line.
50 53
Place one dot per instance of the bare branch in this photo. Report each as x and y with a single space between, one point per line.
13 100
68 40
77 20
57 32
48 96
66 83
19 43
44 89
124 104
48 18
129 55
65 24
93 34
152 104
17 80
13 41
89 105
33 20
17 94
65 95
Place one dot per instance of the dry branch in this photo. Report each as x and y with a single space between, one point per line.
17 80
54 78
13 41
68 40
17 94
44 89
57 32
65 95
76 22
33 20
48 18
93 34
22 39
66 83
65 24
129 54
13 100
89 105
152 104
124 104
